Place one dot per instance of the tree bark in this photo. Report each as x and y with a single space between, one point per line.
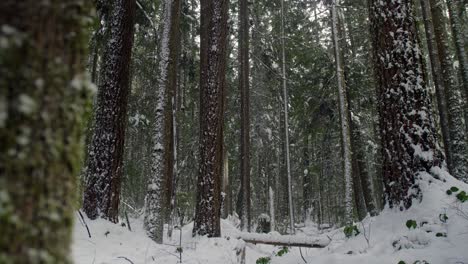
344 119
460 41
160 188
213 39
438 81
244 68
44 103
105 154
459 160
409 142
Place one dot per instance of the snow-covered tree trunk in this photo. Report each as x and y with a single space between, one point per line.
344 119
44 104
408 135
213 39
105 154
159 194
460 40
438 80
459 162
245 116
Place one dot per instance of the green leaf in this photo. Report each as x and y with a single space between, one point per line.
283 251
449 192
441 234
411 224
401 262
454 189
462 196
263 260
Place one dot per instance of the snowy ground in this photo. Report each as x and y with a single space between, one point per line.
389 240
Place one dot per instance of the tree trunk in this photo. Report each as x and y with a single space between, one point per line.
105 154
409 142
245 123
160 185
44 98
460 41
459 160
438 81
344 119
213 38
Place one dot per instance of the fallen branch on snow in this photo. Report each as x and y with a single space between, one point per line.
284 240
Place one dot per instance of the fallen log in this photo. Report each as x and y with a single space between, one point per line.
284 240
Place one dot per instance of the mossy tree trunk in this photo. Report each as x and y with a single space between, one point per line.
44 97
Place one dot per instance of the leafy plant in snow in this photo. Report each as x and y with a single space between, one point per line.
351 230
411 224
282 251
263 260
462 196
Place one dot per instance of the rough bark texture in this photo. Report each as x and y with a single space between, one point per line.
245 117
44 97
407 128
158 202
105 154
213 37
456 121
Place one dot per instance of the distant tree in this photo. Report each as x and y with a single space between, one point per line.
409 142
44 98
213 38
104 166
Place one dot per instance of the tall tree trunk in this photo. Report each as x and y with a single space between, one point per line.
44 98
460 41
160 184
344 119
213 37
105 154
286 122
438 81
245 116
409 142
459 160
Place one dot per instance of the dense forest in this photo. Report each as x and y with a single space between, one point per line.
280 131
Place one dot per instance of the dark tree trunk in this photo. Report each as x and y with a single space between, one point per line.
105 154
44 91
245 117
408 136
213 37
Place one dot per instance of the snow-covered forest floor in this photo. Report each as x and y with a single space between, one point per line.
383 239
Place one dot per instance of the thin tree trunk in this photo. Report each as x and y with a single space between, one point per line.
408 136
286 125
245 117
213 39
105 154
44 93
160 184
344 119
